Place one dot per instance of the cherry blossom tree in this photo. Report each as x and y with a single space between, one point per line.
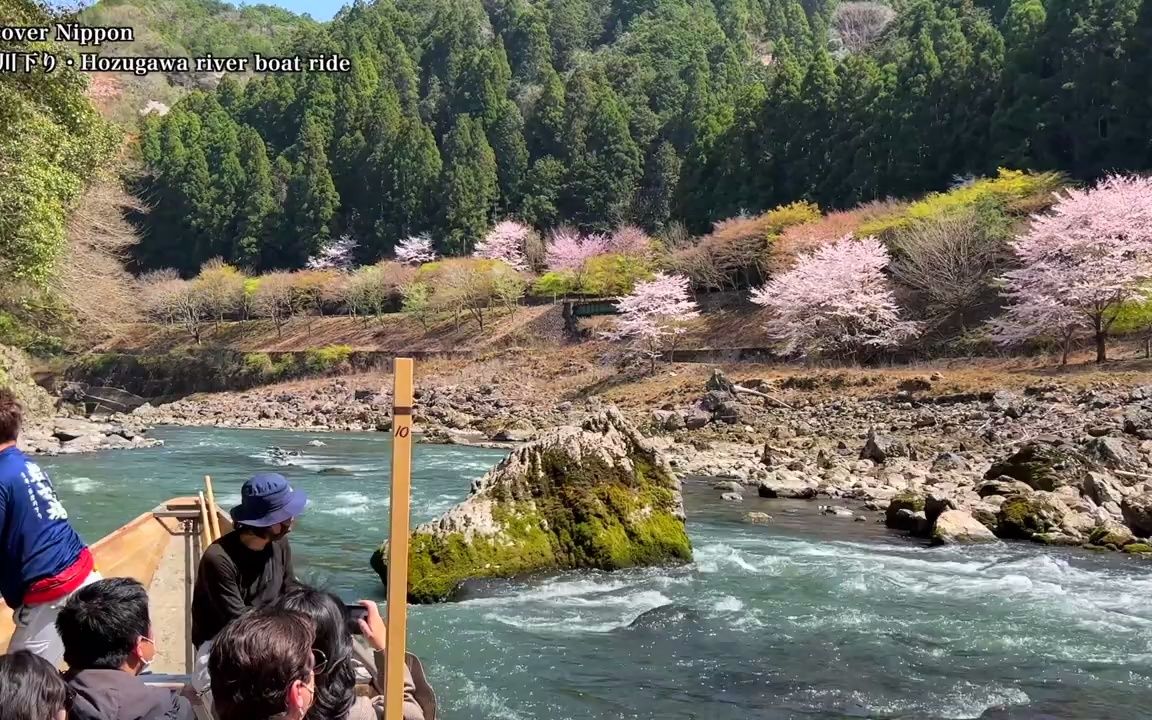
505 242
568 251
655 314
1079 264
338 254
835 301
415 250
629 240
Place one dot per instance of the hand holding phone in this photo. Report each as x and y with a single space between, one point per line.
370 624
355 614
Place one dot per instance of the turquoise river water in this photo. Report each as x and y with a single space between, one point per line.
810 617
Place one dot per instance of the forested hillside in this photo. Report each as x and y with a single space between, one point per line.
52 145
597 113
181 28
194 27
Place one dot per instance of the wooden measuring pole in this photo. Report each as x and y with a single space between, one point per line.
398 537
213 518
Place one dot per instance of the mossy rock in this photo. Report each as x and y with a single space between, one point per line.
1042 466
1112 535
907 500
599 496
1138 549
1023 516
1056 539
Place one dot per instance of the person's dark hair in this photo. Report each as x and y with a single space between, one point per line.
336 685
102 622
31 688
11 416
254 661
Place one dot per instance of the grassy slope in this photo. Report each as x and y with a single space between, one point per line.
394 332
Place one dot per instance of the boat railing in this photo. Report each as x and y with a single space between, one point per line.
189 515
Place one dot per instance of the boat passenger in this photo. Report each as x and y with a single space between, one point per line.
263 666
31 688
42 559
349 661
250 567
108 642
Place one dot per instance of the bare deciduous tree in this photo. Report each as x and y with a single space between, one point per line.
157 289
93 282
950 262
859 23
473 285
273 298
174 301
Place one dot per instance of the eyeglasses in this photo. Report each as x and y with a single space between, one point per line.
319 662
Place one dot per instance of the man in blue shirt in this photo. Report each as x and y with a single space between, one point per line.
42 559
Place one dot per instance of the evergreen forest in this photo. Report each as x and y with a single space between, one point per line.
668 114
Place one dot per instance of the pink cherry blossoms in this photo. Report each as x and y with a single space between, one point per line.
1079 263
835 301
415 250
505 242
629 240
567 250
655 313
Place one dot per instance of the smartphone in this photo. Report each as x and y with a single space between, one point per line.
354 614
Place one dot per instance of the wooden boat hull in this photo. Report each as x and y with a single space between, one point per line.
160 548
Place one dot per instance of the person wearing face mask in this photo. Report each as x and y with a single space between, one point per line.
248 568
263 667
107 636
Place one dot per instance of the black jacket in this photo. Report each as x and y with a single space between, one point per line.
233 579
116 695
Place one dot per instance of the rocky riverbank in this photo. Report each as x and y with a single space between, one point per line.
52 430
466 414
67 435
1050 464
1050 461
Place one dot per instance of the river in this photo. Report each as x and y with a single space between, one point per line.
809 617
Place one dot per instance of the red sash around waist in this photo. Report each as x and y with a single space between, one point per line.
62 584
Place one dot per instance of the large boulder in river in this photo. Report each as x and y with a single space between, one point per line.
902 512
1025 516
596 496
1043 466
956 527
1112 534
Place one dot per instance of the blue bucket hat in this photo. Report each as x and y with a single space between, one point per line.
266 500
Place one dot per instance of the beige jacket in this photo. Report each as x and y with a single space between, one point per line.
419 698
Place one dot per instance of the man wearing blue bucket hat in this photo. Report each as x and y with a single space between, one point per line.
249 567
